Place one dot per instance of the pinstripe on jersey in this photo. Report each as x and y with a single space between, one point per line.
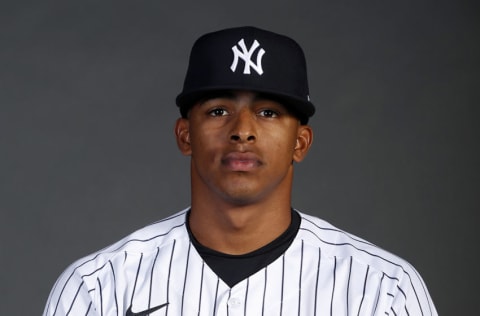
324 272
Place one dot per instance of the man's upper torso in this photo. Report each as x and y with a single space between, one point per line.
324 271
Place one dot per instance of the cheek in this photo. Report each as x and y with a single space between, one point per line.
282 147
204 146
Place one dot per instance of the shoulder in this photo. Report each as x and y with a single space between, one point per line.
77 285
143 241
337 243
356 257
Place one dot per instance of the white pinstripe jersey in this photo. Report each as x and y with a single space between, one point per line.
325 271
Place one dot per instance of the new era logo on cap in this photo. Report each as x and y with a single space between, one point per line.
248 58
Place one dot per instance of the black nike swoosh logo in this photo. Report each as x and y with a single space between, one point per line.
145 312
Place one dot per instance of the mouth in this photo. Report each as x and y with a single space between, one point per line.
243 162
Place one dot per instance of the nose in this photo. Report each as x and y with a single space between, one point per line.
243 127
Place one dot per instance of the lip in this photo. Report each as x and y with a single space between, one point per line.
241 161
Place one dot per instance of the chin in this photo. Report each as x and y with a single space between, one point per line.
242 197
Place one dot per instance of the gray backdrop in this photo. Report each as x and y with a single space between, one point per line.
87 110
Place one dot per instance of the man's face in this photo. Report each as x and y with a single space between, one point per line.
242 146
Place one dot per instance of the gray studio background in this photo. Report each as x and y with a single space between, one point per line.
87 110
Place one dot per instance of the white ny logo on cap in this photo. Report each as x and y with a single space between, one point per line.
246 55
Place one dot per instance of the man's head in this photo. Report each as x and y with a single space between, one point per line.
245 108
251 59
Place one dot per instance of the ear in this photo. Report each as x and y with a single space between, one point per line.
182 135
303 143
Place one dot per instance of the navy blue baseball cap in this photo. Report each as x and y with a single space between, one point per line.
248 58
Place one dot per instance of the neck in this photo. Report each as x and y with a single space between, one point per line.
239 229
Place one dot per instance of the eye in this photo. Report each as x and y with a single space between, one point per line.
217 112
268 113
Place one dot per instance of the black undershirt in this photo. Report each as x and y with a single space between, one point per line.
235 268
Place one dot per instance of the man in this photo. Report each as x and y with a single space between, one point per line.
240 249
